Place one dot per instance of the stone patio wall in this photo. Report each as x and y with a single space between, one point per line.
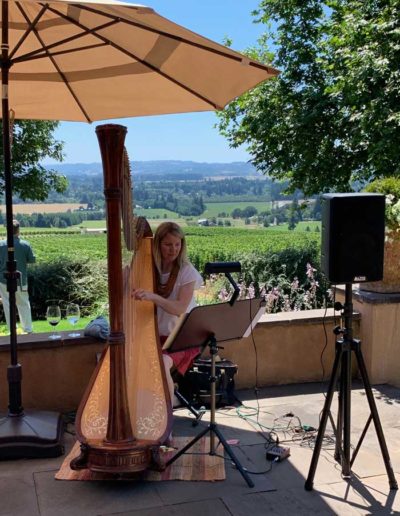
288 347
379 333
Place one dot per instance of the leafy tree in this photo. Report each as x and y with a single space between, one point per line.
237 213
332 116
249 211
294 215
364 46
32 141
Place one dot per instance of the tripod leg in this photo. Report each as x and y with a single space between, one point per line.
228 449
189 445
375 416
346 372
339 427
197 413
364 432
322 425
332 423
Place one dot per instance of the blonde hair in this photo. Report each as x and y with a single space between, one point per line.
164 229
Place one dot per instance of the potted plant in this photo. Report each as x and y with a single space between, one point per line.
390 187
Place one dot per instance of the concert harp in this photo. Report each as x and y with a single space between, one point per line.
125 413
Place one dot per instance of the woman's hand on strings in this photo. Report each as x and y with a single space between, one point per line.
143 295
172 306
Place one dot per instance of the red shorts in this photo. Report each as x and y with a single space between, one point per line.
184 359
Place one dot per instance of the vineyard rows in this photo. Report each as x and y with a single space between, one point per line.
204 244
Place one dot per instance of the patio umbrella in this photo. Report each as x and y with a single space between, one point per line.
97 60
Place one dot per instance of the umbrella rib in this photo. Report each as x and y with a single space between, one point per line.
180 39
62 52
28 31
41 52
58 69
136 58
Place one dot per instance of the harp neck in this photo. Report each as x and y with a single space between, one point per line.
111 139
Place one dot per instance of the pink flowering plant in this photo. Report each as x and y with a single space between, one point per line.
285 295
286 279
282 294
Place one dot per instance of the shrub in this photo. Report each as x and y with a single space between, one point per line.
286 279
389 186
63 281
260 268
283 294
386 185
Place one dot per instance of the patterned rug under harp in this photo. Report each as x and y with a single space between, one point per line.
196 466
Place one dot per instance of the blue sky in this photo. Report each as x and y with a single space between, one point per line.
183 136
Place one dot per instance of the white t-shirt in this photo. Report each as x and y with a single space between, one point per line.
187 274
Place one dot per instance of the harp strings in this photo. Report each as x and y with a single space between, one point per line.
128 219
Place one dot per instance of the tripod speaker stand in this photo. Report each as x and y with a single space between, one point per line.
207 326
342 365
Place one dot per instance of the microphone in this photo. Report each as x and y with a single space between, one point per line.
222 267
225 268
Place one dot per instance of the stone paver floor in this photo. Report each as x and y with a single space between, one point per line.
28 487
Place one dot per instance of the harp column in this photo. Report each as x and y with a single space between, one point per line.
111 139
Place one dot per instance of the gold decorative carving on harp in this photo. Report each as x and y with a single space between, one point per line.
126 412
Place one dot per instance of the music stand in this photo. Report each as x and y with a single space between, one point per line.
206 326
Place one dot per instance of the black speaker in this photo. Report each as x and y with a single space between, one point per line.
353 237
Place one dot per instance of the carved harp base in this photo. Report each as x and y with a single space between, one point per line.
115 458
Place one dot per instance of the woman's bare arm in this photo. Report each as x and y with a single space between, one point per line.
172 306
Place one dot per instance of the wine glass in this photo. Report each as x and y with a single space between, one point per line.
73 315
53 316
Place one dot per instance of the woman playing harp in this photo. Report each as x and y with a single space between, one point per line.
176 282
125 413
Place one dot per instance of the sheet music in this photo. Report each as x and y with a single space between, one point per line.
253 323
221 321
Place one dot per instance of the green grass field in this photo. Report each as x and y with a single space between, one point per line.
92 224
156 213
204 243
30 231
44 326
214 208
49 246
301 226
101 224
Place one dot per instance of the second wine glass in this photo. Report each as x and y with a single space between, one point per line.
73 315
53 316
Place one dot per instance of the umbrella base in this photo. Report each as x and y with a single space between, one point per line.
32 435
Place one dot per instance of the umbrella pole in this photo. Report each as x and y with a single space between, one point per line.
14 375
23 434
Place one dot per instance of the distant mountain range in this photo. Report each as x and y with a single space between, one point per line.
162 168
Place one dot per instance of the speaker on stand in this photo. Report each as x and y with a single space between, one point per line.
353 236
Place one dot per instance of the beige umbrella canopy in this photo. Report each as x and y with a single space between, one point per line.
100 60
87 61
